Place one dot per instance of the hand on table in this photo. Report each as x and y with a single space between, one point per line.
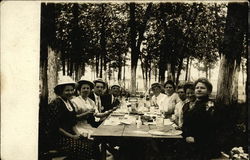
76 136
190 139
87 134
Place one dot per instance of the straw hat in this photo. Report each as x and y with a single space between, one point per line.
156 85
115 84
64 80
99 80
85 80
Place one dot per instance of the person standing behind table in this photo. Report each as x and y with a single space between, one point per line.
200 123
171 100
112 101
176 117
85 107
62 121
158 98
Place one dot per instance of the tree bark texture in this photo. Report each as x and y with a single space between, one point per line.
52 73
236 27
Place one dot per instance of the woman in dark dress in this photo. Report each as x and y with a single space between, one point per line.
200 123
62 123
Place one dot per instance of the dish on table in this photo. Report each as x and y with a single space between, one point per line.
161 133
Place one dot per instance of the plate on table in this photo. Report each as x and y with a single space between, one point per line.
174 132
169 133
157 133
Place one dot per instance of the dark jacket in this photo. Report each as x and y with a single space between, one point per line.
107 102
201 122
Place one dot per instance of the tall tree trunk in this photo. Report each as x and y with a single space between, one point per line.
187 69
149 76
179 71
225 81
101 66
97 64
169 73
47 40
119 74
173 71
124 73
156 73
133 47
236 27
144 77
135 42
105 69
52 73
103 42
189 72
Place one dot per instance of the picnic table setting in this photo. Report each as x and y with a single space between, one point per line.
135 121
138 121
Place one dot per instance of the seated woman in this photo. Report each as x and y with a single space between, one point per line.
62 123
200 122
171 100
85 108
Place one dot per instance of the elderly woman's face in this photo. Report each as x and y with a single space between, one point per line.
201 90
67 92
85 90
169 89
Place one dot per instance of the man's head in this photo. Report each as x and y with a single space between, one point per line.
181 92
115 90
99 87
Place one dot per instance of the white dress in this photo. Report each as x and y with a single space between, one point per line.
170 103
160 100
82 106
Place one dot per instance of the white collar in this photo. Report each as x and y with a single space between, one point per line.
67 104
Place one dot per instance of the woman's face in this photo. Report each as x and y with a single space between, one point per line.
156 90
85 90
190 94
201 90
169 89
67 92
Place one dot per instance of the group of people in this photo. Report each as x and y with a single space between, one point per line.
75 113
191 109
81 107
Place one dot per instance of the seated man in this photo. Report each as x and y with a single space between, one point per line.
177 116
158 98
111 101
99 86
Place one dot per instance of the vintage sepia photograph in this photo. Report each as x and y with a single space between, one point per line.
142 80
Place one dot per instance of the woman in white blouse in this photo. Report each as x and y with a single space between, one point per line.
85 107
172 98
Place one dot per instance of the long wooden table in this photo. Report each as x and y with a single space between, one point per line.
122 132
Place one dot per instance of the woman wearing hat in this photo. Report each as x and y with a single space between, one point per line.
62 123
85 107
200 122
